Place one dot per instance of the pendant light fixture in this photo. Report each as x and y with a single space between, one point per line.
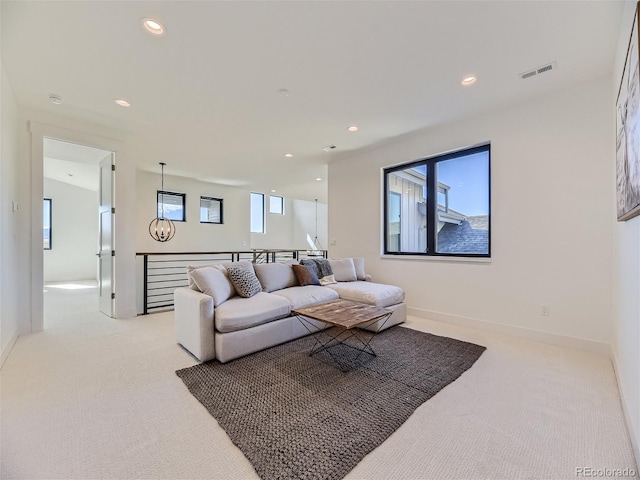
162 229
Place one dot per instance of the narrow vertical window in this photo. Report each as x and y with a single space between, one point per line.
257 213
46 223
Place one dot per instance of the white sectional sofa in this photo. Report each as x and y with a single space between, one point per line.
212 321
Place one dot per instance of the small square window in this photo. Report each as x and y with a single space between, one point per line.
276 205
210 210
171 205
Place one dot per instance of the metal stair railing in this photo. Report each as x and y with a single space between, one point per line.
160 273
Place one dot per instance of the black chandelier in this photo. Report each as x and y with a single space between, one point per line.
162 229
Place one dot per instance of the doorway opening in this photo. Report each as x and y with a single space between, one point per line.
77 231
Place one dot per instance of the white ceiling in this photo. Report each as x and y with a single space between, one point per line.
205 96
73 164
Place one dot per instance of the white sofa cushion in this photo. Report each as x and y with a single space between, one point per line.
368 292
300 297
358 263
275 276
214 281
239 313
191 268
343 269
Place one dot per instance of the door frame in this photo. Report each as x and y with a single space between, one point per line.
124 221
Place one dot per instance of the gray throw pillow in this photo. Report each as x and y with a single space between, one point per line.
244 279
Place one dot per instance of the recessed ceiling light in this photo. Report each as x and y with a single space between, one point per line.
153 26
122 102
469 79
318 179
55 99
273 191
352 128
288 155
283 92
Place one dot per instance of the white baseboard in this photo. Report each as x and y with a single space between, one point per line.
7 350
625 408
529 334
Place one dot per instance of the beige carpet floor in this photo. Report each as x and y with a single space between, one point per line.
93 397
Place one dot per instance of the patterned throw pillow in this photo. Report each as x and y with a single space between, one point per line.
305 275
244 279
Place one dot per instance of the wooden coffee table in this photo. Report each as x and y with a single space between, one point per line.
348 319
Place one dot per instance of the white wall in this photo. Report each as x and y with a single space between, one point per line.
10 310
289 231
278 228
552 193
305 224
626 341
286 231
193 236
74 233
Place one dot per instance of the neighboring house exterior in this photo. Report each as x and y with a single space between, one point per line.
457 233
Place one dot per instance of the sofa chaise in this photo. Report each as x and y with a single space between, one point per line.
215 318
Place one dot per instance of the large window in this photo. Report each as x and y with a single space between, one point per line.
440 205
46 223
257 213
171 205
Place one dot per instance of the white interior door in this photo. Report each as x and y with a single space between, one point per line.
105 255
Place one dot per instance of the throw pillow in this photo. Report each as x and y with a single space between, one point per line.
213 282
313 266
275 276
244 279
191 268
305 275
344 270
358 262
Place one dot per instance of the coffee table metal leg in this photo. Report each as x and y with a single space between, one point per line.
335 340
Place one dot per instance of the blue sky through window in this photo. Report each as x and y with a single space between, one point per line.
468 178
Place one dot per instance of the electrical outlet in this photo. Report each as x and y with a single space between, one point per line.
545 311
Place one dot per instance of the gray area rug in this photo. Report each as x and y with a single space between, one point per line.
300 417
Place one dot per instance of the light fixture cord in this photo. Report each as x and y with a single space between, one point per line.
316 241
162 187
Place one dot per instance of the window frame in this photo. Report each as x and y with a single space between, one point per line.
176 194
264 213
220 201
432 202
281 212
50 247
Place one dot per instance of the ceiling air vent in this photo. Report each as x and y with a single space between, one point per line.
538 71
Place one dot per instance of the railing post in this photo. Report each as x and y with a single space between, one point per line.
145 262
